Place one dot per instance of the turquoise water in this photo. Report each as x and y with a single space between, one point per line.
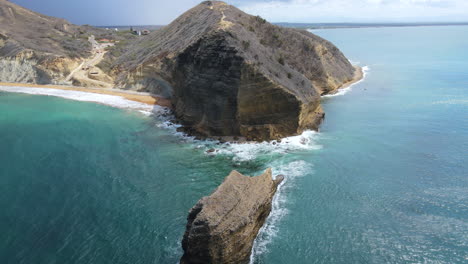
385 181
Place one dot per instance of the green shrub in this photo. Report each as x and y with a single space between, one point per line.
260 19
246 44
281 60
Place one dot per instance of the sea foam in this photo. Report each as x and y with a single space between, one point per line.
274 151
269 230
241 152
110 100
365 72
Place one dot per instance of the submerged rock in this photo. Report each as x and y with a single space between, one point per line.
222 227
233 74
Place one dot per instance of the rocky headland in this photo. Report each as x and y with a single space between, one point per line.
224 73
232 74
227 74
222 227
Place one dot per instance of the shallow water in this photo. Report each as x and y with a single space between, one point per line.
385 181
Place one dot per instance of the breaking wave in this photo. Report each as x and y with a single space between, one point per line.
365 72
251 150
269 230
110 100
274 151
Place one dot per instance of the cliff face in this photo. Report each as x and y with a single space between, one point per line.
232 74
222 227
226 72
37 48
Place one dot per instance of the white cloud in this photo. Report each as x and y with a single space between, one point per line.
358 10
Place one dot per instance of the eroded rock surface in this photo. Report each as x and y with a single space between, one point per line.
222 227
233 74
35 48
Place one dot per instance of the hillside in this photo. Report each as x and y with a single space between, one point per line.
36 48
233 74
22 29
227 73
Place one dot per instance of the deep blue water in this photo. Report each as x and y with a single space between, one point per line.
385 180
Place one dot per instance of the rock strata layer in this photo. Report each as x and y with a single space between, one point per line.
222 227
233 74
227 74
35 48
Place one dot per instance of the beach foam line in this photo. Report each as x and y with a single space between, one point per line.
365 71
106 99
269 230
141 97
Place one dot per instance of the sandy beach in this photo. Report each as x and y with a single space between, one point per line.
140 97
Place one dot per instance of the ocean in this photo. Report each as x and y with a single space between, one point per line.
384 181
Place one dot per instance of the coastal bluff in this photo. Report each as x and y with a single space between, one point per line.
222 227
232 74
227 74
35 48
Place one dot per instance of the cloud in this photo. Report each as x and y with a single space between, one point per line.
357 10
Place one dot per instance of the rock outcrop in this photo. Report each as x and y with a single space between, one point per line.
222 227
233 74
36 48
227 73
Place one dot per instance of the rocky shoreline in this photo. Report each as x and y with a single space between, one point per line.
231 74
224 73
221 228
358 76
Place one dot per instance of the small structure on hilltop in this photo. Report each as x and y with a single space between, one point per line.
139 32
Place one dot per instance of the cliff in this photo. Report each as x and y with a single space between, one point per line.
36 48
232 74
227 73
222 227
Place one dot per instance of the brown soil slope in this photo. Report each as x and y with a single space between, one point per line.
233 74
36 48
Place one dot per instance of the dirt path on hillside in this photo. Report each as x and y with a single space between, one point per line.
81 73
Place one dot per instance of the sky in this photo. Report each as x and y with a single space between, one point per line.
162 12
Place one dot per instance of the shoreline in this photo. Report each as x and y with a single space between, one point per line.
140 97
359 76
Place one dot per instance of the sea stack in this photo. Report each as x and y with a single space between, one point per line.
232 74
222 227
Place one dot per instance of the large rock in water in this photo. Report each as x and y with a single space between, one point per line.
233 74
222 227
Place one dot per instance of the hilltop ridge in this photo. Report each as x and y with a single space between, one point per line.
35 48
23 29
233 74
227 73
